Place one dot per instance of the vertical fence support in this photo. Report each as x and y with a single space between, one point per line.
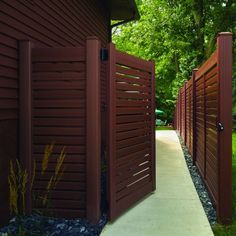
179 108
153 129
224 53
93 129
181 114
25 122
205 128
194 133
185 114
111 142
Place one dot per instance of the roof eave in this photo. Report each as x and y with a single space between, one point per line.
124 10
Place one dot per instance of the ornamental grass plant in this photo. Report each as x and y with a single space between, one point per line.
19 181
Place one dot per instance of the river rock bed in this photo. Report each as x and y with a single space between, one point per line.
37 225
199 185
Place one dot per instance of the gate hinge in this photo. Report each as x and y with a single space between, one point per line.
104 54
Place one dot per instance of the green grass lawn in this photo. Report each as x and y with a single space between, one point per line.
231 229
164 128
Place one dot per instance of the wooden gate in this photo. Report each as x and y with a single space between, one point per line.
131 132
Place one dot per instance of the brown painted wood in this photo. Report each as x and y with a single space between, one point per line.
132 72
134 118
93 120
7 128
70 113
126 59
127 165
25 115
111 130
59 119
62 185
134 156
131 80
136 95
59 85
207 65
132 184
224 55
132 133
153 125
212 149
134 196
128 150
131 141
58 94
131 130
64 54
130 126
128 87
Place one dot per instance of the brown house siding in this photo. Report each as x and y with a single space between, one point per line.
56 23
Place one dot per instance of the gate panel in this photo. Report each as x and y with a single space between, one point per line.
131 130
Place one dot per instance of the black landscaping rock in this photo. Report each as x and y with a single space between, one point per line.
37 225
199 185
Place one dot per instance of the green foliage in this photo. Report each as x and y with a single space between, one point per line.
178 35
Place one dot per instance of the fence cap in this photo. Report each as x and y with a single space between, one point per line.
225 33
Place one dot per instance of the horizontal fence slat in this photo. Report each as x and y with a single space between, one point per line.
58 55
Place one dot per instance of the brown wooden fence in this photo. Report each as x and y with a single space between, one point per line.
131 137
60 102
204 119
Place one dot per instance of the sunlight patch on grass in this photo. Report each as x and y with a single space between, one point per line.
164 128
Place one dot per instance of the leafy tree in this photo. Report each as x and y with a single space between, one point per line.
178 35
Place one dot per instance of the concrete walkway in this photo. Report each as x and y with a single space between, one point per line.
174 209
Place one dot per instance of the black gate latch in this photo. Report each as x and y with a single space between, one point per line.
220 127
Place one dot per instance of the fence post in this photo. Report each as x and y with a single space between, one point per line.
179 112
25 120
204 119
93 129
179 108
153 124
194 133
185 114
224 57
111 142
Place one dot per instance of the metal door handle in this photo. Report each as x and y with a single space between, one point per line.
220 127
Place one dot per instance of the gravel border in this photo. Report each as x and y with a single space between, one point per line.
37 225
199 185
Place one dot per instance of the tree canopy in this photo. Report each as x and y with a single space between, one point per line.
178 35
